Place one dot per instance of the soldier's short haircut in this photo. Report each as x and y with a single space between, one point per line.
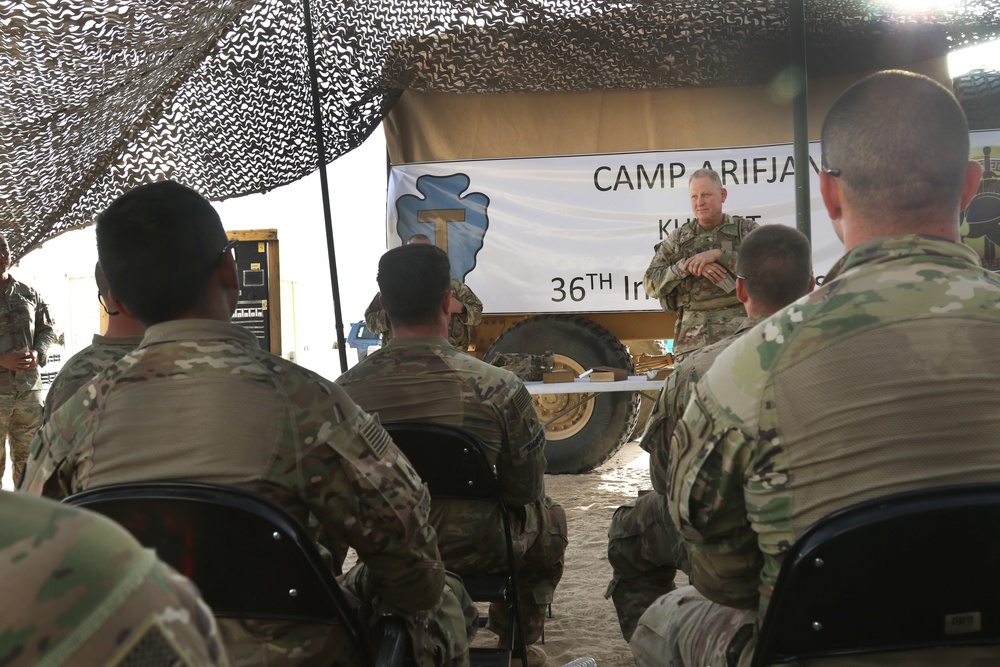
158 245
710 174
776 264
412 280
900 142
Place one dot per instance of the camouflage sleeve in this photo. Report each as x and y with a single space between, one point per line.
48 470
521 463
674 396
45 333
70 377
656 439
375 318
708 461
666 271
473 313
87 591
654 432
365 494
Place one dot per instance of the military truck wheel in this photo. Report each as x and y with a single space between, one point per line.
978 92
581 434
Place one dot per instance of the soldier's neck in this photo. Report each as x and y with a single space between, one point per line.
419 331
709 228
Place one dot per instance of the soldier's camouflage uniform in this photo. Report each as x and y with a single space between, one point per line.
459 325
25 324
644 549
426 379
881 381
78 590
705 311
84 365
199 400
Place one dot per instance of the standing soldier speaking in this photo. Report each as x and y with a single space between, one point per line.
693 270
26 333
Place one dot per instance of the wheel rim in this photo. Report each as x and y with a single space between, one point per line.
549 405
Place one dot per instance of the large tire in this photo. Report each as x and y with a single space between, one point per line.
979 94
590 434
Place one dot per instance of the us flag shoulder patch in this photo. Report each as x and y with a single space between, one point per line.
522 401
376 437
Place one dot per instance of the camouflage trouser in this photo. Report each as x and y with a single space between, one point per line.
543 538
684 629
20 417
645 552
698 328
439 637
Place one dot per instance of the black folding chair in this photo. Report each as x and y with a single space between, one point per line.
914 570
452 464
249 557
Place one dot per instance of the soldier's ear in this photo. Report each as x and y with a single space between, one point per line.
725 193
741 290
829 188
228 272
973 177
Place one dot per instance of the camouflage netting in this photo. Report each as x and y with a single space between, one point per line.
100 96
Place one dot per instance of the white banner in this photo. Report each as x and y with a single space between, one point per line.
576 233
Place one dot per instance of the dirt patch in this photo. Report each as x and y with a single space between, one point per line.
583 622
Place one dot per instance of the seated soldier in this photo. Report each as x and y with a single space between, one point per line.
466 311
79 590
122 336
198 400
418 375
774 269
881 381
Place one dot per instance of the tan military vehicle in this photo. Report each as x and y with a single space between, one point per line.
565 215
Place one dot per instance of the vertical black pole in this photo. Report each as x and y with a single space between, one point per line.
324 184
800 114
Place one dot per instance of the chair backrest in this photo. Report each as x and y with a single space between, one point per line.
249 557
450 461
453 465
913 570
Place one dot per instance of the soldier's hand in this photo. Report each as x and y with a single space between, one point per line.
456 305
705 264
15 360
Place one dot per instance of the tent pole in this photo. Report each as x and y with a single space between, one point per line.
800 114
324 184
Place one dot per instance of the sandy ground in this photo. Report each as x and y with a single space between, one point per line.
583 622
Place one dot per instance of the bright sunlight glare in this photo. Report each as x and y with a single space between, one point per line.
981 56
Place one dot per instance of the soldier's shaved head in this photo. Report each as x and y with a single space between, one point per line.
413 280
775 262
900 143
